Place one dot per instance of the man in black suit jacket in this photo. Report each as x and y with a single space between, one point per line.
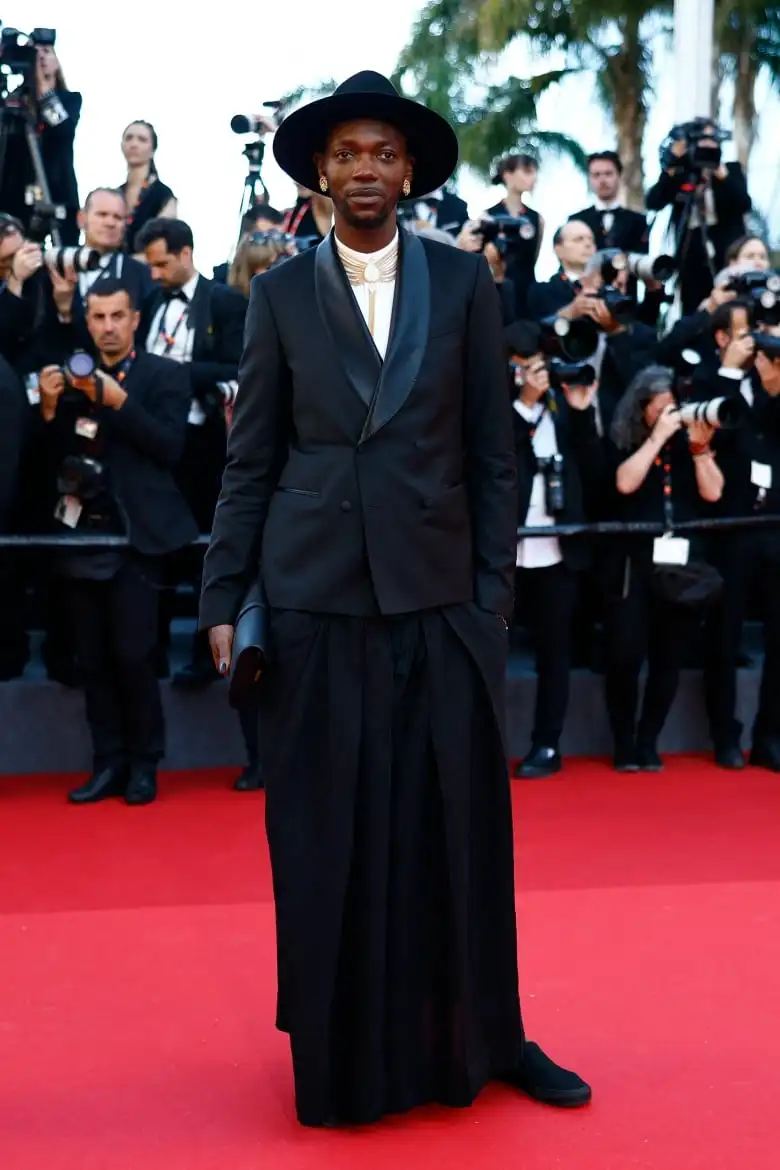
371 481
199 323
613 226
114 438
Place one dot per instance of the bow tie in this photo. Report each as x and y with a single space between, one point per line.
175 294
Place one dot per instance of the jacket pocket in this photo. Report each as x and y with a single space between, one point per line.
293 491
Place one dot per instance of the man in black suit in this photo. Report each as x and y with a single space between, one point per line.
555 433
707 203
573 244
114 438
199 323
613 225
371 481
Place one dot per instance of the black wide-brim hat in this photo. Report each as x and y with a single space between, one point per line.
430 139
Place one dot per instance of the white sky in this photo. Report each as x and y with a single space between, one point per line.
188 74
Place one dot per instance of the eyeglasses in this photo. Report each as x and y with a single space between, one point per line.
269 237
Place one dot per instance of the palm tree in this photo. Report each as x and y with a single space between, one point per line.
747 34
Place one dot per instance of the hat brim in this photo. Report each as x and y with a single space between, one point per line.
430 139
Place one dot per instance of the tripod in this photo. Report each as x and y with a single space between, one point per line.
694 201
12 112
254 152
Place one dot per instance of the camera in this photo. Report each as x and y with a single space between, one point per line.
81 476
762 291
62 260
723 413
702 138
573 341
767 343
80 364
551 468
564 373
256 123
18 56
506 231
642 267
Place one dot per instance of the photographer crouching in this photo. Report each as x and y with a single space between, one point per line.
748 559
115 432
559 454
655 586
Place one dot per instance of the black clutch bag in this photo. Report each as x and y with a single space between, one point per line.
250 646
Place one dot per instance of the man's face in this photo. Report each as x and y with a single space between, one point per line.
112 323
740 327
10 243
604 180
365 164
103 221
169 269
521 180
576 247
532 378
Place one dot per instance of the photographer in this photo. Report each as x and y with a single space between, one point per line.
260 218
53 111
558 453
23 289
664 474
748 559
574 245
613 225
114 434
709 202
518 243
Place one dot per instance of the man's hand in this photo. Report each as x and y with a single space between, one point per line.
63 288
580 397
51 384
581 306
602 316
113 394
739 353
718 297
221 643
470 238
769 373
25 263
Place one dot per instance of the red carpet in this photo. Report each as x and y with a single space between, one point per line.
137 984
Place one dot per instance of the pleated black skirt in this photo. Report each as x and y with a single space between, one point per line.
389 826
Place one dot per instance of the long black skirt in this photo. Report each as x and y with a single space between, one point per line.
389 826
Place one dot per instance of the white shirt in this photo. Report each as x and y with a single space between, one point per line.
600 205
110 265
538 552
384 292
173 319
745 386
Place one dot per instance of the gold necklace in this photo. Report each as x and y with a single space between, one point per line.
370 273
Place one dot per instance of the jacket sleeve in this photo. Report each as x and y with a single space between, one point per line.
257 449
491 471
156 426
731 193
664 192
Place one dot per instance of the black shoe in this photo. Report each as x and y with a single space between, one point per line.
648 759
195 675
543 1080
766 754
107 782
730 756
624 757
250 780
540 761
142 788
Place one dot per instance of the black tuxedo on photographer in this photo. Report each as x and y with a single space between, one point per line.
112 594
746 559
616 227
549 569
726 203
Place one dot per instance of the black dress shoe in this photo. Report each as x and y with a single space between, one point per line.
107 782
540 761
250 780
624 757
543 1080
766 754
142 788
195 675
648 759
730 756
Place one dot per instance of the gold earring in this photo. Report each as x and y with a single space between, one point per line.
406 188
323 184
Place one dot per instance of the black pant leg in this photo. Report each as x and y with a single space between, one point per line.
735 559
134 601
767 721
88 607
249 718
625 649
14 640
670 628
549 595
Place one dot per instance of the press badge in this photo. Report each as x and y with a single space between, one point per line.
671 550
31 387
68 511
86 428
761 475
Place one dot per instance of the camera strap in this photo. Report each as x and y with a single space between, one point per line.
293 222
120 372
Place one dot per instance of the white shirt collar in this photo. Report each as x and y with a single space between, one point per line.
365 257
614 206
189 288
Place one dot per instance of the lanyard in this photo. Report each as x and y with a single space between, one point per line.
120 372
664 461
170 338
291 224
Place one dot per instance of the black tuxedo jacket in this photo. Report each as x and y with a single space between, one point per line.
14 418
547 297
629 230
361 486
732 203
217 316
143 444
584 470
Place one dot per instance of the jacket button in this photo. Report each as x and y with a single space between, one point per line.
345 506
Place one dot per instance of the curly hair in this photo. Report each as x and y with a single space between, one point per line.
629 429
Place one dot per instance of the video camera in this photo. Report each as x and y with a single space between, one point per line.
761 290
702 138
506 231
18 57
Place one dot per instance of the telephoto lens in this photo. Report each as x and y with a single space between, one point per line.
723 413
80 364
63 260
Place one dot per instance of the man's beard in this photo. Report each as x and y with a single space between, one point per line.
363 222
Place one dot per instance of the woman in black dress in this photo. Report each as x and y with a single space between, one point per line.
665 471
146 197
